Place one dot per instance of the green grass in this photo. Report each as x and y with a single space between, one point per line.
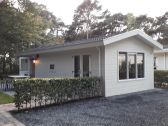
5 99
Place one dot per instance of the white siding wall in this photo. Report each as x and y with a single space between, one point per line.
64 63
115 87
161 61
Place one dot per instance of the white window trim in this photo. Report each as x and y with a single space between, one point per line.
134 79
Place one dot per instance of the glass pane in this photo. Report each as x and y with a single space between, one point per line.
132 65
122 65
140 65
86 66
24 64
77 66
155 64
51 66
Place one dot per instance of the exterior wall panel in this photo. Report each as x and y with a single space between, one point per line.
64 63
114 86
161 61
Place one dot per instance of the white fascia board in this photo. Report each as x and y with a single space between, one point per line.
146 38
161 51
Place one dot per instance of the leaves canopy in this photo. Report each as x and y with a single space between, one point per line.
30 25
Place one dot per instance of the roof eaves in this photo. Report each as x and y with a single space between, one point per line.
59 46
132 33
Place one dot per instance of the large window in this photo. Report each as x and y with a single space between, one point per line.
131 65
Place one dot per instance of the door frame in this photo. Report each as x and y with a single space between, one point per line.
81 65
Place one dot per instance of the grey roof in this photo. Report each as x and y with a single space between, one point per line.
65 44
92 42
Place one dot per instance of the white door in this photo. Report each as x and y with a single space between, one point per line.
24 66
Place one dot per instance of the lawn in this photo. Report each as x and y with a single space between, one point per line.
5 99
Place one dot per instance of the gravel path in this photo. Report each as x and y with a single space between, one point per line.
148 108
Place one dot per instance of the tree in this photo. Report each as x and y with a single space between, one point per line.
110 25
7 19
22 28
130 21
85 16
160 27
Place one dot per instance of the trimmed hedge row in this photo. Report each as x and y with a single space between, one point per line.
161 78
40 92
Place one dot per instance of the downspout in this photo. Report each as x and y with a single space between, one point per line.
99 53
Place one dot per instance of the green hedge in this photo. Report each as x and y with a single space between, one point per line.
39 92
161 78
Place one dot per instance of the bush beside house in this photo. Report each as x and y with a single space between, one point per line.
40 92
161 78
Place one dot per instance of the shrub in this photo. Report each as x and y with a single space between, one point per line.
161 78
39 92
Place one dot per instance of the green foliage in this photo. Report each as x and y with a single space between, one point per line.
40 92
91 22
28 26
161 28
86 14
31 25
161 78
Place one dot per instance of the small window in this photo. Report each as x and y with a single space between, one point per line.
155 63
52 66
140 65
122 65
132 65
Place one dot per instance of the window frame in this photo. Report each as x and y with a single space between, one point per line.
136 76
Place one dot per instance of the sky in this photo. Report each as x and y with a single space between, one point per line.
64 9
